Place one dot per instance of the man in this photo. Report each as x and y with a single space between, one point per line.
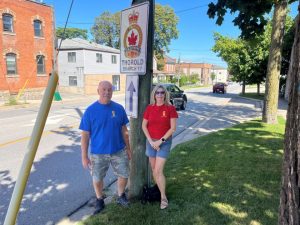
104 124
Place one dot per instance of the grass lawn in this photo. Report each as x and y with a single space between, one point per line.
228 177
253 95
187 87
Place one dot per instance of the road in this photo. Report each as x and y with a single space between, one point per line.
57 184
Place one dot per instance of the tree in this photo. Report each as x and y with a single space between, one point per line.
165 29
234 52
212 77
289 209
71 33
251 21
106 29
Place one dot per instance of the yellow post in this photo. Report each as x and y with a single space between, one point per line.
22 90
32 146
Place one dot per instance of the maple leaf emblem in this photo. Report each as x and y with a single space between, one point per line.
132 39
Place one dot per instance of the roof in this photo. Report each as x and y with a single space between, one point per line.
169 60
40 2
80 44
216 67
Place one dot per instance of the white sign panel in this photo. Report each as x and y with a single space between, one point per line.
131 96
134 32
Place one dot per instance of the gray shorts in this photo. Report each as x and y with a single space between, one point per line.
163 152
100 164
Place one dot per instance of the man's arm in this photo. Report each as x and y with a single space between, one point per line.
126 140
85 140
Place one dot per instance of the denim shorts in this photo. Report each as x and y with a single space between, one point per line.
100 164
163 152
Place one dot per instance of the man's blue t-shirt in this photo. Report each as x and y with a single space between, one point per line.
104 122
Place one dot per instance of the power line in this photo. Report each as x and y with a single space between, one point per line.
189 9
176 12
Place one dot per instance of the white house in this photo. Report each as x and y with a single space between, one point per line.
220 72
82 64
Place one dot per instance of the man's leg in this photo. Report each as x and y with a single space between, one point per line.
122 182
120 165
100 164
98 187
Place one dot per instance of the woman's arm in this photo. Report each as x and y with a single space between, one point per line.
146 132
169 132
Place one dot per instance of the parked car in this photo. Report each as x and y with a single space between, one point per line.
220 87
177 96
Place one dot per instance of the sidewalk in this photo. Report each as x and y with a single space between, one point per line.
66 97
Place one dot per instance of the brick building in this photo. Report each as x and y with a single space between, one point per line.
169 70
202 69
26 45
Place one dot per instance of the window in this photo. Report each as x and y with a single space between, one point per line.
98 58
114 59
116 82
71 56
37 25
11 63
40 62
7 22
72 81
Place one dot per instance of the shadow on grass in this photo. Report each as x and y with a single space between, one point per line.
228 177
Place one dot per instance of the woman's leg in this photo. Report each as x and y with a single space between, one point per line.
159 176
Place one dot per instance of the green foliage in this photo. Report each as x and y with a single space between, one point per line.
160 62
250 15
287 44
248 59
71 33
213 76
194 78
165 28
12 101
106 29
188 79
224 178
183 80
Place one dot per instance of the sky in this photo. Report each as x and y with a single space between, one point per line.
196 30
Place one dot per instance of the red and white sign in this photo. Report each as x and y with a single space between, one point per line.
134 30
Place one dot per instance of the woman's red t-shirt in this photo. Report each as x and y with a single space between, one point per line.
159 119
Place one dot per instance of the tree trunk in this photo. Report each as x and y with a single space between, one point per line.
244 86
258 88
274 63
288 83
289 210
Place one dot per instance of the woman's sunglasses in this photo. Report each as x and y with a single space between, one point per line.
159 92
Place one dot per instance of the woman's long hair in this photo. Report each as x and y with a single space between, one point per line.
167 95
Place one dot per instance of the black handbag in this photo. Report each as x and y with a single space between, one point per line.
150 194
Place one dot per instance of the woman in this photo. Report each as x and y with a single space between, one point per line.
159 123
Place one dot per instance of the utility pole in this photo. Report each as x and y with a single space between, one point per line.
139 173
178 72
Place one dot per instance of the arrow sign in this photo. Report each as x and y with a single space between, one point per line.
131 98
131 89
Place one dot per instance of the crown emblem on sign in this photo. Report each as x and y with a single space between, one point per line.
133 17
